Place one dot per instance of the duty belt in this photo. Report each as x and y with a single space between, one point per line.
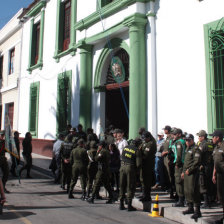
126 163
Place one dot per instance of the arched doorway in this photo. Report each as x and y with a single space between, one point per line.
117 91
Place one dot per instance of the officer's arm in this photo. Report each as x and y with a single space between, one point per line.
197 161
138 159
61 149
71 157
179 155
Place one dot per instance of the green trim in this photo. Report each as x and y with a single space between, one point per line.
36 9
115 43
211 115
31 44
34 86
105 12
40 58
86 61
138 76
31 65
59 30
66 118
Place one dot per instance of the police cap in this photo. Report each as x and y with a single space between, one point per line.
80 141
217 133
177 131
167 127
202 133
189 137
146 134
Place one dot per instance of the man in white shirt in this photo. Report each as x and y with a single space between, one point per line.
120 141
56 155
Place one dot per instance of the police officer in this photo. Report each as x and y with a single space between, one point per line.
130 162
147 172
178 147
66 169
92 166
27 154
168 156
79 162
218 172
3 161
103 173
207 188
190 175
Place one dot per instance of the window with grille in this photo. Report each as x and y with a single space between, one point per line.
64 100
67 24
214 52
34 108
37 42
11 61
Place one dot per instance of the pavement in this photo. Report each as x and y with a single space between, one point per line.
209 216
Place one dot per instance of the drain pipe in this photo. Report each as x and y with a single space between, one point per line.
154 115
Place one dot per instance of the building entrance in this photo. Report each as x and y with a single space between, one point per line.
117 92
116 113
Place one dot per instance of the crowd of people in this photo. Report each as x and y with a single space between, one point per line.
189 171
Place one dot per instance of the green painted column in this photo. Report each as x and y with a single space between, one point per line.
40 58
31 42
85 86
137 77
57 38
73 22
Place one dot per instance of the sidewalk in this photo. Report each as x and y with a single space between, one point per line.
209 216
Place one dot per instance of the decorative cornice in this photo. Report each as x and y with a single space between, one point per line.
137 19
36 9
105 12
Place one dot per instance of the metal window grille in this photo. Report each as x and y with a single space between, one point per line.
216 42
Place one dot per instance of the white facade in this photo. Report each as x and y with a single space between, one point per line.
175 56
10 38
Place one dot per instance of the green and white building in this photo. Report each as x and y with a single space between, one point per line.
130 63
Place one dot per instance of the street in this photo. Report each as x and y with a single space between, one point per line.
39 200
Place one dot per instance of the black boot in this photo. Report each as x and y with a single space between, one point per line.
88 193
121 207
197 213
91 199
109 201
70 195
190 209
180 202
206 202
83 195
130 207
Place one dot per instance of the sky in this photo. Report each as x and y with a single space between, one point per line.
8 8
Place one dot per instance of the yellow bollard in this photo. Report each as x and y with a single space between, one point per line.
155 210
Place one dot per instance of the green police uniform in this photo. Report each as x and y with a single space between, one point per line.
102 175
178 148
79 162
66 169
207 188
169 165
131 161
92 166
192 163
218 156
147 172
3 163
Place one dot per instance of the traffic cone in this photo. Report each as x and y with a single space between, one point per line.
155 210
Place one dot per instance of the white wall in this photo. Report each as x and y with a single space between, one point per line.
181 73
